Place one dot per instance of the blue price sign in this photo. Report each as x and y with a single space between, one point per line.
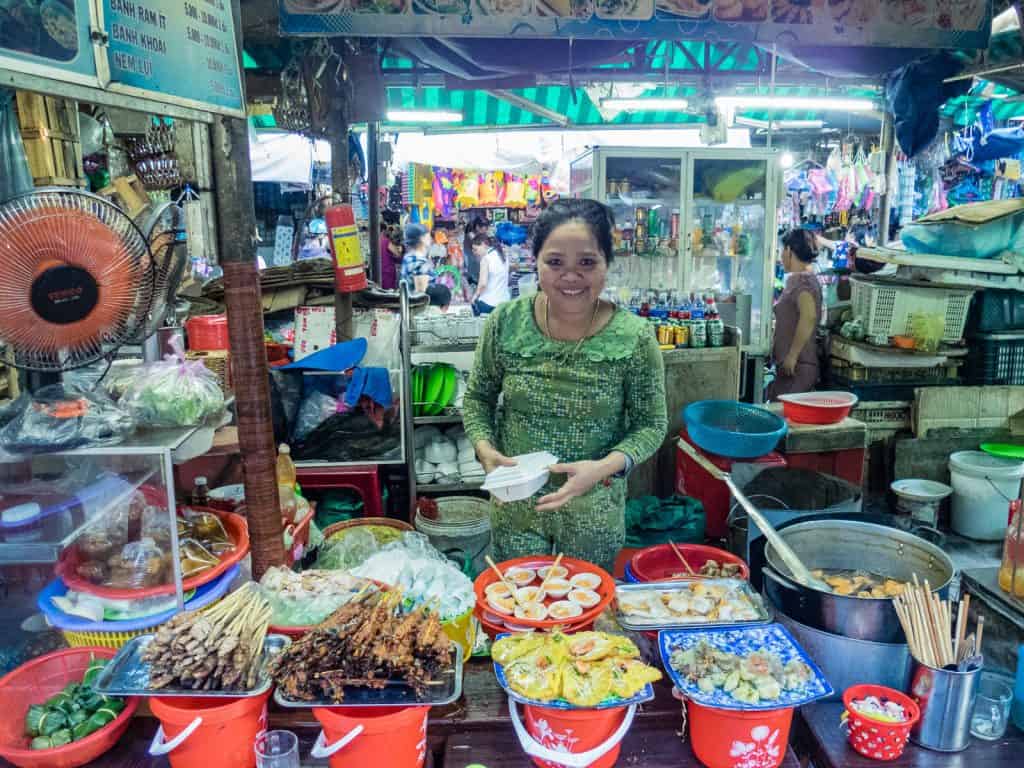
184 50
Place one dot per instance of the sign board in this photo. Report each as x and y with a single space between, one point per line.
894 23
182 49
176 52
50 39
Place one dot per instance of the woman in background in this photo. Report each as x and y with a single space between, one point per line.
492 286
797 313
417 268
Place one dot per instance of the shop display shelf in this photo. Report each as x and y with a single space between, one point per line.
443 418
449 487
455 346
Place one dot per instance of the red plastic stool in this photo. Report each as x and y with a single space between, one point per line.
364 479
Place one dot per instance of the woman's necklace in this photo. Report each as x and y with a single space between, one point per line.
584 337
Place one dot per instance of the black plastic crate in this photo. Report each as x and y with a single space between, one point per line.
995 310
877 392
996 358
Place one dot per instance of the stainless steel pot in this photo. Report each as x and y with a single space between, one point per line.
843 544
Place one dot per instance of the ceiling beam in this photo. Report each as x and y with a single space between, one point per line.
530 106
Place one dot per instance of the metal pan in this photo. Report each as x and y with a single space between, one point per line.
128 675
639 625
396 693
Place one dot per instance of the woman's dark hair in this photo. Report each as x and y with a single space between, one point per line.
440 295
802 243
478 222
597 217
491 243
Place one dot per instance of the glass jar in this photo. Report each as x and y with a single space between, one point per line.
1011 572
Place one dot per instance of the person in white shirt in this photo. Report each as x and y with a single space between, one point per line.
492 285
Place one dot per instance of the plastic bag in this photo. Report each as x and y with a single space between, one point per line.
139 564
174 392
15 176
61 417
315 409
348 551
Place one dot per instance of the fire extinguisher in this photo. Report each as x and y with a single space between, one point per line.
349 269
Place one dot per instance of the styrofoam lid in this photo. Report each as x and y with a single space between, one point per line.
921 490
528 467
981 464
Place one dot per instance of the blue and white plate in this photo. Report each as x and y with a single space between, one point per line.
772 638
645 695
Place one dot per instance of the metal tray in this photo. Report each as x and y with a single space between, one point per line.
395 694
639 625
128 675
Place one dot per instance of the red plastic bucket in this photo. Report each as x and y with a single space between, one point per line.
878 739
199 733
572 738
382 737
728 738
207 333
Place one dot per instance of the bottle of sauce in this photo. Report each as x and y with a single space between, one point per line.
285 467
1011 571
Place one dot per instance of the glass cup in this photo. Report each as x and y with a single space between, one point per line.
277 749
991 708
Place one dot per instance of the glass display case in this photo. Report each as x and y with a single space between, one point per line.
689 221
88 541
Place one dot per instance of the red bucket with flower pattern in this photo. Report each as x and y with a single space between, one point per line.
732 738
878 739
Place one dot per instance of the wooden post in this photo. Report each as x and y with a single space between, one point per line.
337 134
888 154
372 184
237 237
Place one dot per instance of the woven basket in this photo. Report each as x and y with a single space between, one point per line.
331 530
115 640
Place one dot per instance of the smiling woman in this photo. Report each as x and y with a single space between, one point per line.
578 378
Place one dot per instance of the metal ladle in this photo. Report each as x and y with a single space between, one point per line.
800 572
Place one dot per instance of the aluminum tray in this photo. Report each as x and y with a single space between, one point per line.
638 625
128 675
394 694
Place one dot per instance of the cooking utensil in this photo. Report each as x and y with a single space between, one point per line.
834 544
799 571
679 554
501 576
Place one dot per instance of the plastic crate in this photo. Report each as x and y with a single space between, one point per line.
883 415
996 358
852 372
886 308
994 311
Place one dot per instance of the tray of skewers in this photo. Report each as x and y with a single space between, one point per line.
742 668
221 652
707 603
587 670
371 652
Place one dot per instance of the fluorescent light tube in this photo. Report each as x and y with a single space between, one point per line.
653 104
808 103
423 116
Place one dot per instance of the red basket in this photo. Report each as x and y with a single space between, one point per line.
659 563
873 738
207 333
236 528
817 407
574 566
36 681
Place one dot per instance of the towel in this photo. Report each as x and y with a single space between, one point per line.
374 383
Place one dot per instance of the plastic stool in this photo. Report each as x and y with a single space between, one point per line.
364 479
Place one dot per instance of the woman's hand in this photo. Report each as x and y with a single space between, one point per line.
788 366
583 475
491 458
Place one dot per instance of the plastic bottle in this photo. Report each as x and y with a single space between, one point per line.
285 468
200 492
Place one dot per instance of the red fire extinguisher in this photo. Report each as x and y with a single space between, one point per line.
349 270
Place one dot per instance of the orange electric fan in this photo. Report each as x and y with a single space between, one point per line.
78 279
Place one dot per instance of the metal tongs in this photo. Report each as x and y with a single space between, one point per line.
799 571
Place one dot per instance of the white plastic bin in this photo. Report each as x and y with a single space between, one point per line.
983 486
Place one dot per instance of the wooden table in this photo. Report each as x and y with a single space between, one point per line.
816 734
644 746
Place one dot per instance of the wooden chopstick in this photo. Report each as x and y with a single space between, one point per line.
550 571
501 576
679 554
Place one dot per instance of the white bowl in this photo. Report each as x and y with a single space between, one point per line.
560 572
532 612
520 576
498 589
526 595
589 581
441 451
504 605
587 598
557 588
567 609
